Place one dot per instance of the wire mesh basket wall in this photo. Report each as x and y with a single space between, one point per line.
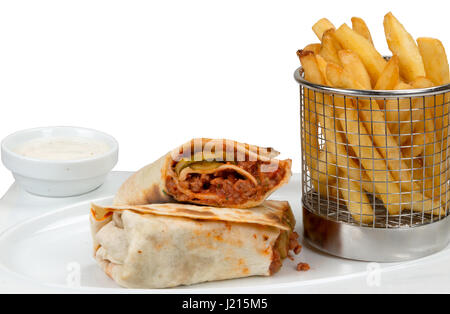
375 158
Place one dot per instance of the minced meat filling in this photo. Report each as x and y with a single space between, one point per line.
229 187
277 257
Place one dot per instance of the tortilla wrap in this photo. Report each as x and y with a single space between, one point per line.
167 245
220 173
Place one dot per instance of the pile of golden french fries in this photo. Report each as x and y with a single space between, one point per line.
393 148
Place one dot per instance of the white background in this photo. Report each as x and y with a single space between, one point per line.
154 74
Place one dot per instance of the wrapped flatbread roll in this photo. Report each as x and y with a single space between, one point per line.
167 245
220 173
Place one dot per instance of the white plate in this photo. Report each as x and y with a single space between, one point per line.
49 251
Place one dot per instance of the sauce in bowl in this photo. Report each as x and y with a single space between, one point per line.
62 148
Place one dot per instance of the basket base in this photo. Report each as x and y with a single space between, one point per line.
374 244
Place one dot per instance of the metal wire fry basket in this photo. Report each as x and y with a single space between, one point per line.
375 171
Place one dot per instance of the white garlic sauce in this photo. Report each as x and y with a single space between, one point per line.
62 148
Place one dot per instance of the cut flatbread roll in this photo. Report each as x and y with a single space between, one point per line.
220 173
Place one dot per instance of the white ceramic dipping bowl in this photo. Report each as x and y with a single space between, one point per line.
59 178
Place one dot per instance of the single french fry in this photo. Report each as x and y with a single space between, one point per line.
361 28
390 76
356 200
435 60
309 64
330 47
321 27
437 70
322 63
313 47
402 44
353 64
372 59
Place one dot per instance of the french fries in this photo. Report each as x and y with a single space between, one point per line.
378 172
334 142
393 148
374 121
435 148
311 147
362 145
324 162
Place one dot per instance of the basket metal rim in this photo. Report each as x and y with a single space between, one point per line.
431 91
